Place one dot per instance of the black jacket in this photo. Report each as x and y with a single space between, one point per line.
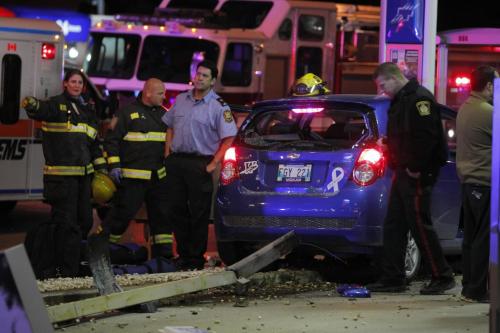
414 131
69 127
137 141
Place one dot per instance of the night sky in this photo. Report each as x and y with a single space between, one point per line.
452 14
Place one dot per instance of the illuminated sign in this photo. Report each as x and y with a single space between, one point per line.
405 21
75 26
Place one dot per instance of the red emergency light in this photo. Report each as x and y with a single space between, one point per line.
462 81
48 51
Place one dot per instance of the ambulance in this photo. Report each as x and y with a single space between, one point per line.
260 46
31 53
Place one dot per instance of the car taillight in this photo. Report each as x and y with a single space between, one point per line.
369 166
229 170
48 51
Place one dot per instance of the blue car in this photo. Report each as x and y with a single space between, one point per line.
312 165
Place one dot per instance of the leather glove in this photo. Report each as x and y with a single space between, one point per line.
116 175
30 104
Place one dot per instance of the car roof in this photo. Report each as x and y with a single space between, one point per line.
375 101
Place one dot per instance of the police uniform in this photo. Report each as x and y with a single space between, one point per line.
136 145
416 142
71 152
198 126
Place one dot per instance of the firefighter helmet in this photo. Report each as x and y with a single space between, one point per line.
103 188
309 85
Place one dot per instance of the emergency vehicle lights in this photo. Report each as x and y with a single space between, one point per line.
462 81
307 110
48 51
229 170
369 167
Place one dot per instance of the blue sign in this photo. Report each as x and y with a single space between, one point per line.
75 26
405 21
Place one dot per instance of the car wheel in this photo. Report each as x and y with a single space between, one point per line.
413 258
6 207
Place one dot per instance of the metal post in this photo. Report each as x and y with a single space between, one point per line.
429 51
495 215
382 31
100 7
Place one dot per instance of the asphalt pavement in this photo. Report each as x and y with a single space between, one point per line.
312 311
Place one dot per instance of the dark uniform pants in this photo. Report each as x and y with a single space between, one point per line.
69 197
476 242
190 194
409 209
128 200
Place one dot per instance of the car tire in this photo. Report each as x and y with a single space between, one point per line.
6 207
413 259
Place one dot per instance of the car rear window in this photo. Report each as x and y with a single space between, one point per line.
305 129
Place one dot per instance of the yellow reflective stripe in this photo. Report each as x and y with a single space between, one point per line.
90 168
113 159
136 173
63 127
163 239
99 161
162 172
149 136
64 170
114 238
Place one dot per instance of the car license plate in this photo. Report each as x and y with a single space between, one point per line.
294 173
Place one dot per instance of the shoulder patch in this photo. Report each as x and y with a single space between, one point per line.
134 115
221 101
62 107
228 116
424 108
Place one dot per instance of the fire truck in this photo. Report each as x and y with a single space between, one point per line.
259 46
31 53
459 52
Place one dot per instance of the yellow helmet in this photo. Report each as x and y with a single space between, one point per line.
309 85
103 188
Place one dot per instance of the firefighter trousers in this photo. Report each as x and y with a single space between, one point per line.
476 243
410 210
128 200
190 188
69 198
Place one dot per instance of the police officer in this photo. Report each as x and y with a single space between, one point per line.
417 150
135 153
71 151
200 129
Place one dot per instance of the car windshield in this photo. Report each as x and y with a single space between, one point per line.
305 129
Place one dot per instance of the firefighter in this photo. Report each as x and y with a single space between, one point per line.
71 151
309 85
135 155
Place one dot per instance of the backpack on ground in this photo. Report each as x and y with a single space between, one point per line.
54 249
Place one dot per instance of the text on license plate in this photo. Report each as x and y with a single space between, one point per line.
294 173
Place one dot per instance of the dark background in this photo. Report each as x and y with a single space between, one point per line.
452 14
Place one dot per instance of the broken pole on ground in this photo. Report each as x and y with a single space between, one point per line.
240 270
